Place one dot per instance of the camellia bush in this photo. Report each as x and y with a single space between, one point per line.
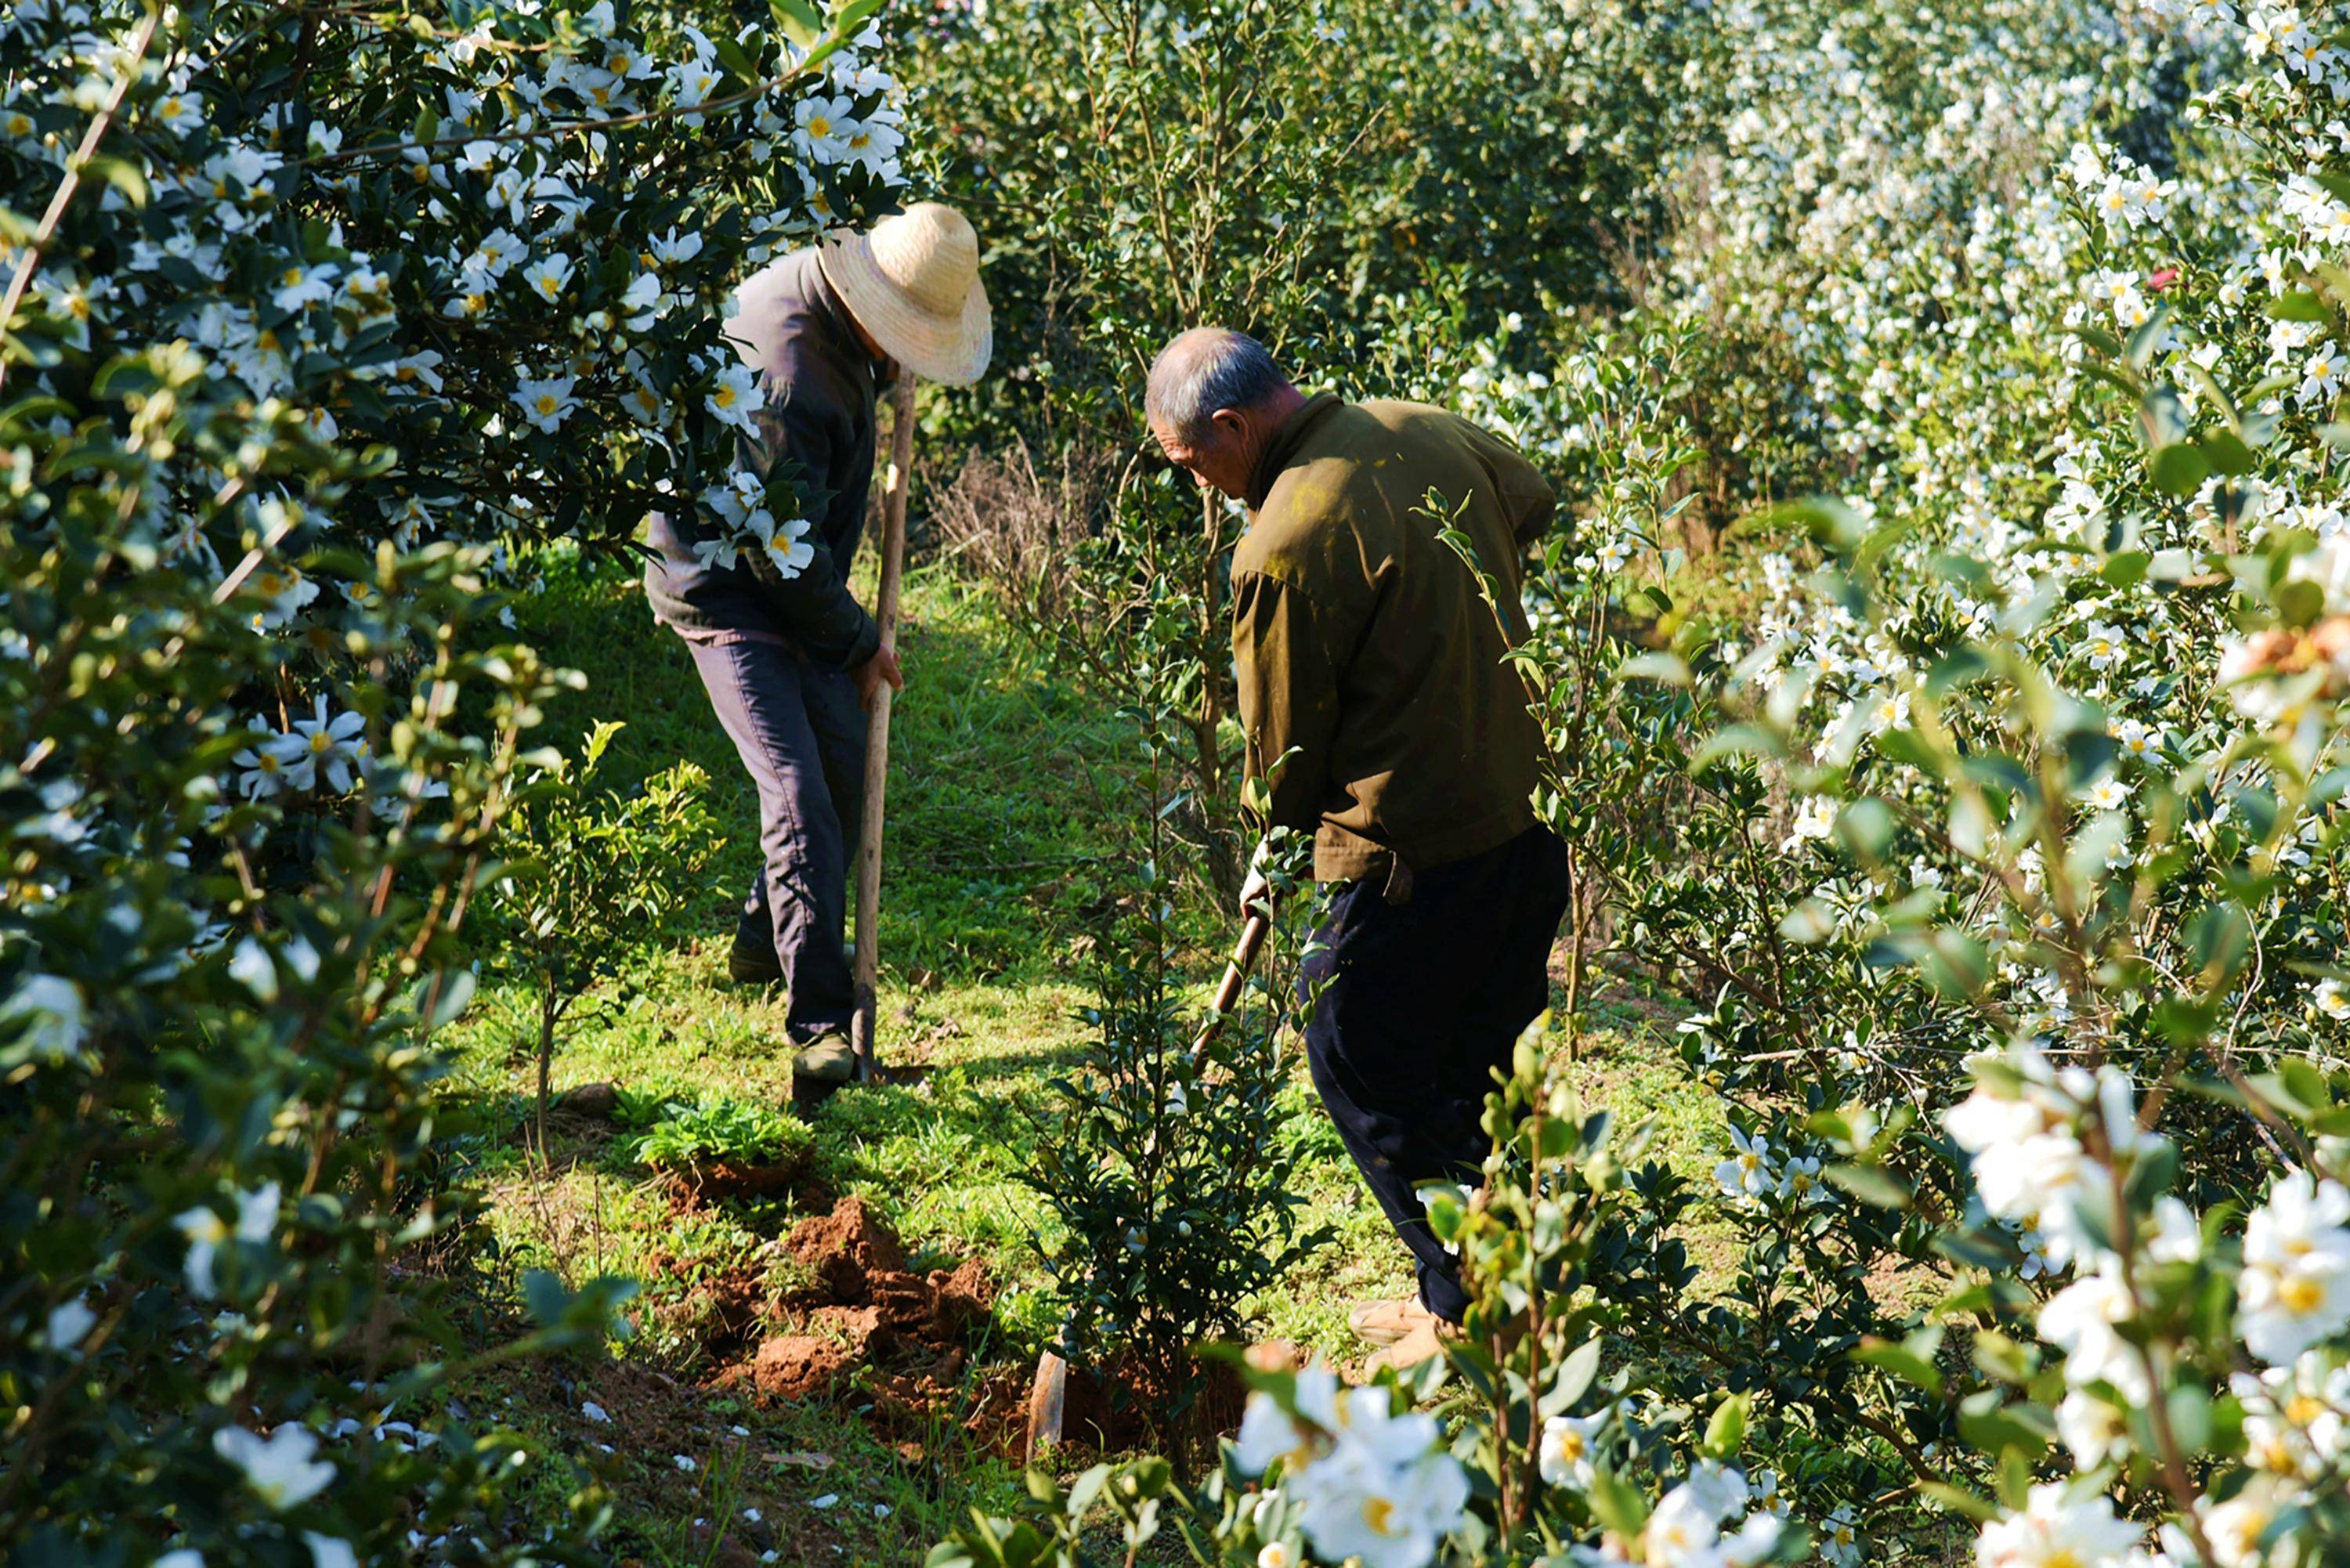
1169 1180
306 313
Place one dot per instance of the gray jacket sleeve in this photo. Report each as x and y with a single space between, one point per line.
813 608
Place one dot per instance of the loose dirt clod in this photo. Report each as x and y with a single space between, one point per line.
865 1307
798 1365
846 1249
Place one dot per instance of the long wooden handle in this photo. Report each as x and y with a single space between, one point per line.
877 731
1228 991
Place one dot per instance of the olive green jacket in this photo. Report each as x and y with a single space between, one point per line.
1378 707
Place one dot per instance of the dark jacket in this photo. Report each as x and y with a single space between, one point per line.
1365 653
819 383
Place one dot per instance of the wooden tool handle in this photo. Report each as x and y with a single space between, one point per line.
1048 1403
1228 991
877 731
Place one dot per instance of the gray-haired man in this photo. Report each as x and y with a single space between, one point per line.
1380 716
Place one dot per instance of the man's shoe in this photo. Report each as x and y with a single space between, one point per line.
1384 1322
826 1059
753 963
1425 1342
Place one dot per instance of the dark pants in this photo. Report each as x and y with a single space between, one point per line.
1419 1003
802 735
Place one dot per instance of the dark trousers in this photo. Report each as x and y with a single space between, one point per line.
1419 1003
801 735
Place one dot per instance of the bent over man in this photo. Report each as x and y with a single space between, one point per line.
1381 717
789 661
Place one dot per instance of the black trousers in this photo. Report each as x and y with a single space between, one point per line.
1420 1002
801 736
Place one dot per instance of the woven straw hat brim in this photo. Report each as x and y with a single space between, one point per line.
951 348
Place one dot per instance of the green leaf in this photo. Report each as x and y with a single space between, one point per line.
1866 828
1575 1373
1726 1433
1620 1505
1668 669
2220 937
1900 1361
543 1295
2217 394
2226 451
731 55
797 20
1871 1184
2179 468
1959 1500
1999 1428
2103 341
122 174
456 991
2297 304
2002 1358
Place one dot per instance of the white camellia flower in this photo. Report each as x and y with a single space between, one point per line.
690 82
283 1469
68 1321
49 1011
2027 1164
2177 1235
788 548
2295 1288
2080 1321
2055 1531
735 399
1569 1444
1799 1181
1816 818
322 745
2294 1423
2093 1429
2235 1528
1748 1172
545 404
824 126
717 554
2330 1000
1275 1555
1371 1484
1387 1493
329 1551
548 277
206 1232
1840 1537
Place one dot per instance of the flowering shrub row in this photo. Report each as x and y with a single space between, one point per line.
307 311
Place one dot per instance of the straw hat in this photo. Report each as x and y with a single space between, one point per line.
913 284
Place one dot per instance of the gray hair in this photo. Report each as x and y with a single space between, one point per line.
1205 370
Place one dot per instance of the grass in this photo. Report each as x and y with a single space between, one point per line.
1007 790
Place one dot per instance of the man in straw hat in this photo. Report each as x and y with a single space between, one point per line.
789 661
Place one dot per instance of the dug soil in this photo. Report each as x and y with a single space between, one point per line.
862 1322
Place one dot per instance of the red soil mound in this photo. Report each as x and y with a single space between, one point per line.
867 1308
